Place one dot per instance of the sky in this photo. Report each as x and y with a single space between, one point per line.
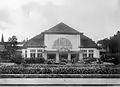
97 19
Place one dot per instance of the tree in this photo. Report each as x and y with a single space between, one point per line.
113 44
12 45
14 55
13 41
105 43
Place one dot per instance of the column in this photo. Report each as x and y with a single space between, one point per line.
80 55
69 56
28 53
57 57
45 55
36 54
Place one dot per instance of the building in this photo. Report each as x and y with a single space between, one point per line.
60 42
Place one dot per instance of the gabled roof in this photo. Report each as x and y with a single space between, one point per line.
37 41
61 28
86 42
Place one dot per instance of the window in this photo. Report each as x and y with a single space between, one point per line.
32 53
39 52
25 53
91 50
32 50
62 43
91 53
84 53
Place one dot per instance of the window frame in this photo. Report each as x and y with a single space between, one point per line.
91 53
84 53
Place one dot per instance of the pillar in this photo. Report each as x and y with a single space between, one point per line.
45 55
28 54
57 57
80 55
36 54
69 57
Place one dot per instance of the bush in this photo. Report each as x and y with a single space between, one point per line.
112 58
59 70
50 61
17 58
89 60
60 76
35 60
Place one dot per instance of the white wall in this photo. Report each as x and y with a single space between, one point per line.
96 51
23 52
28 51
51 38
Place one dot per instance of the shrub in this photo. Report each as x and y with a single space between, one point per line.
35 60
113 58
89 60
59 70
60 76
50 61
17 58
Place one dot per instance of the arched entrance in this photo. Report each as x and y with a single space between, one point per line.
63 46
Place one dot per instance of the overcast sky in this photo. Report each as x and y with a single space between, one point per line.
27 18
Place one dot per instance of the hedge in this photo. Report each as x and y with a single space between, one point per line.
40 60
67 65
58 70
59 75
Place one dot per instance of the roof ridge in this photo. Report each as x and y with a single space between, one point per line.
62 28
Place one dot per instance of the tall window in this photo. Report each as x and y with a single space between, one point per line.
39 53
62 43
25 53
84 53
91 53
32 53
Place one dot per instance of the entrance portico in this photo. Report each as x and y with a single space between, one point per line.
59 55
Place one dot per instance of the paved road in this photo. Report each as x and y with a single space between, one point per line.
68 81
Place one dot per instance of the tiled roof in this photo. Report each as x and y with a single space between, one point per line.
38 40
86 42
61 28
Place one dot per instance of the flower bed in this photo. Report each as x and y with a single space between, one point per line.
53 69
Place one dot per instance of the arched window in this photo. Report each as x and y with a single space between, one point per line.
62 43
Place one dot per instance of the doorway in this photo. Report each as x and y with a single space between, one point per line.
63 57
74 58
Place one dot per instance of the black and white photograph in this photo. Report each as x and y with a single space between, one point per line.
60 43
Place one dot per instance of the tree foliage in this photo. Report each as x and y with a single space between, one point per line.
112 44
11 46
11 49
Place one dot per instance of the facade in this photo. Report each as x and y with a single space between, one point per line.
60 42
